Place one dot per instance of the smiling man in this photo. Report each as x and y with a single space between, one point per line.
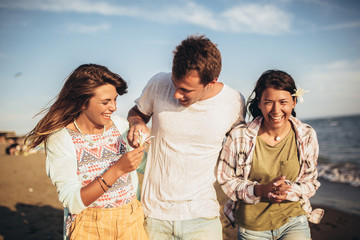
191 113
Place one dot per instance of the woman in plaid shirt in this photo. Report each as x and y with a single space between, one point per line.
267 167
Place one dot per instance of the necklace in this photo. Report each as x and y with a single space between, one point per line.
89 140
277 137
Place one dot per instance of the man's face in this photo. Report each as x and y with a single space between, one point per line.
189 89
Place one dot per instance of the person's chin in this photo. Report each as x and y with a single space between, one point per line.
275 123
184 103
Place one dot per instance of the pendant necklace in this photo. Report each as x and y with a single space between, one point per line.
277 138
88 140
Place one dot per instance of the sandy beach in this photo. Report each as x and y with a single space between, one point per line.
29 207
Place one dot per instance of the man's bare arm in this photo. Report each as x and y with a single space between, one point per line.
137 121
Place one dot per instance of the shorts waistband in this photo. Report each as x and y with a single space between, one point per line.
99 213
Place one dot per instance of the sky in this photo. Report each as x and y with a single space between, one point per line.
43 41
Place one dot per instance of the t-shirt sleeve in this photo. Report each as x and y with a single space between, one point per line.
242 110
238 107
145 102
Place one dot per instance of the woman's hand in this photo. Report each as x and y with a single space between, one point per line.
276 190
126 163
130 161
279 190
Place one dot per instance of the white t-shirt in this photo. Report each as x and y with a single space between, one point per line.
180 170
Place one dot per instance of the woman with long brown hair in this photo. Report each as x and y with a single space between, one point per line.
88 158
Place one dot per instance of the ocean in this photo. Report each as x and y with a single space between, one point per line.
339 141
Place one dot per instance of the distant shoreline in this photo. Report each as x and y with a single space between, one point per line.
22 134
329 117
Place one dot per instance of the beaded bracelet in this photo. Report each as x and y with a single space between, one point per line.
102 179
97 178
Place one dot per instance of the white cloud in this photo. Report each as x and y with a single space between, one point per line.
340 79
80 6
342 65
326 3
334 89
264 19
81 28
189 13
252 18
347 25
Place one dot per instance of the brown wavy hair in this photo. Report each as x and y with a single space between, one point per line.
270 79
197 53
78 88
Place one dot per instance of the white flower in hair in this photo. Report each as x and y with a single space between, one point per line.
143 137
299 92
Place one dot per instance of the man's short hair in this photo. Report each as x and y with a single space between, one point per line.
197 53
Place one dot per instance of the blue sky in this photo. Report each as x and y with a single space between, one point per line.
43 41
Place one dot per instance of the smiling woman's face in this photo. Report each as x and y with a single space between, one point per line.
276 107
101 106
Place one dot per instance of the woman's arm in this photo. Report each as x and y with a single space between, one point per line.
126 164
306 184
231 168
61 167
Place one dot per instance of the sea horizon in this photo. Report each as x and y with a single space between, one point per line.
339 141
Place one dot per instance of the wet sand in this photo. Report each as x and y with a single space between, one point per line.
29 207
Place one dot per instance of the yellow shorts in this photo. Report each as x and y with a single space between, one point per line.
125 222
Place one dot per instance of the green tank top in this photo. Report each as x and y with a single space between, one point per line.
270 162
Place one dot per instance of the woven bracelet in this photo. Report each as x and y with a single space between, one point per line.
97 178
102 179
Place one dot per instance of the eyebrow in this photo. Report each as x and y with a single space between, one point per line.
108 99
182 89
282 99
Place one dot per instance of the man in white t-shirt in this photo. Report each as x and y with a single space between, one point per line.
191 113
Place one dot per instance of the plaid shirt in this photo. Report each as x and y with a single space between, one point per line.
236 159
